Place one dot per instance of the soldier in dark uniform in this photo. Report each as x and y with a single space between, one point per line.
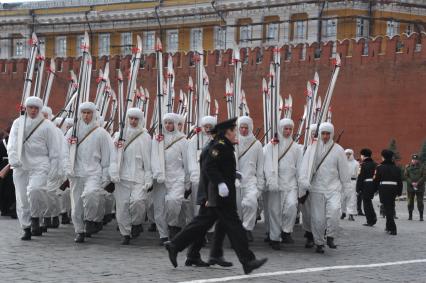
193 256
365 186
387 180
217 179
7 188
415 174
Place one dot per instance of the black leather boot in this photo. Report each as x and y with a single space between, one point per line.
330 243
410 215
65 219
126 240
55 222
27 234
35 227
79 238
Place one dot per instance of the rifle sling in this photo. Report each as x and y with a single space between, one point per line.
33 130
132 140
245 151
175 141
325 156
87 135
285 152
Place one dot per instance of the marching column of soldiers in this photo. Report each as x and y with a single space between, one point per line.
189 179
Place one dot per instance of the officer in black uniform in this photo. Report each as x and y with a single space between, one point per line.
365 186
193 256
7 188
388 181
217 180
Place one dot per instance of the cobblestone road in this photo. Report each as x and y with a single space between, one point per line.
55 258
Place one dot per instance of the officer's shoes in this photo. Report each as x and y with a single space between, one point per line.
330 243
275 245
351 217
393 233
126 240
163 241
27 234
343 216
55 222
368 224
219 261
172 253
360 213
286 238
65 219
79 238
320 249
249 236
254 264
196 262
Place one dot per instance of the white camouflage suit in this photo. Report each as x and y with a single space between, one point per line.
349 194
282 186
39 162
64 196
326 185
53 184
250 163
134 177
169 188
90 174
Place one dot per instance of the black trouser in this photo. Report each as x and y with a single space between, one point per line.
388 199
7 195
370 213
232 225
359 202
216 250
410 197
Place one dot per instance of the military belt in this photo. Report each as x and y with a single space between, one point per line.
368 180
388 183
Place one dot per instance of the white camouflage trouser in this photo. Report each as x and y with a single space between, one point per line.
325 214
130 201
53 204
247 206
64 200
282 212
87 201
31 197
305 209
349 199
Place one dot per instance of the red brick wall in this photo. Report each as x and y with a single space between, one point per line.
377 97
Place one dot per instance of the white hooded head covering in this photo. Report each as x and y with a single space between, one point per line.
31 123
208 120
285 142
48 111
351 152
324 148
34 101
169 137
83 128
245 142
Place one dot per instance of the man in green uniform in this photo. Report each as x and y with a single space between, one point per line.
415 175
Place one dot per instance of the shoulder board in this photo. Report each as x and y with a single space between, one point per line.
221 142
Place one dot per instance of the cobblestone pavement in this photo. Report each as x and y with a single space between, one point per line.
54 257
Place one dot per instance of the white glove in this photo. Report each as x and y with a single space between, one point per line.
115 178
223 190
161 179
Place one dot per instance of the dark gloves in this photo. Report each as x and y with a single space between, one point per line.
110 188
65 185
187 193
303 199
